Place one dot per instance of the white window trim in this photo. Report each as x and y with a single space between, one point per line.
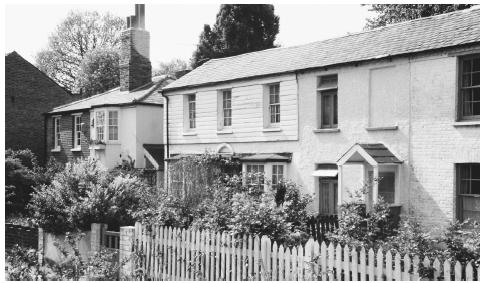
106 124
77 146
284 168
186 115
397 180
57 145
266 107
222 129
267 169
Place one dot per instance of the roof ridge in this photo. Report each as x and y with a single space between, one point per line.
85 99
476 7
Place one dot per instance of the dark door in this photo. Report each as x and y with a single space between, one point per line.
327 196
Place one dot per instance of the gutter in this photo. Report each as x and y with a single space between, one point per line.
166 156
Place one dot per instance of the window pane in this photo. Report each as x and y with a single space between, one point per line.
386 186
328 81
468 195
335 110
326 110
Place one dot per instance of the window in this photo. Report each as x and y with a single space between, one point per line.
226 108
327 92
192 111
277 174
113 124
469 88
256 172
77 131
99 122
468 191
274 103
56 132
386 185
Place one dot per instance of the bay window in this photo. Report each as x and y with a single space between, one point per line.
99 125
77 131
56 132
113 124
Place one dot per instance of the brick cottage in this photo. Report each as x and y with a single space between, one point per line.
400 103
121 125
28 94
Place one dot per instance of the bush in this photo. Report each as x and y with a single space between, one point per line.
21 264
84 193
462 240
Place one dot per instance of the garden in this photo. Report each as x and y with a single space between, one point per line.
208 193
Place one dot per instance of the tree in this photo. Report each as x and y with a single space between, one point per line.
171 67
239 28
395 13
72 40
99 71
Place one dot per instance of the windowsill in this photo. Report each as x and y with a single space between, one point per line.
189 134
388 128
475 123
269 130
224 132
113 142
57 149
77 149
328 130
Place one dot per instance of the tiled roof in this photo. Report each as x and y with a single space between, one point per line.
380 153
446 30
145 94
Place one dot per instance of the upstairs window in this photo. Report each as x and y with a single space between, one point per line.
192 111
226 101
56 132
469 88
113 125
99 124
327 101
274 103
468 191
77 131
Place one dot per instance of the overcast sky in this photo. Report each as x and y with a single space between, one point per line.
175 28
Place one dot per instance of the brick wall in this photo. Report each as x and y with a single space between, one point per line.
67 138
28 94
22 235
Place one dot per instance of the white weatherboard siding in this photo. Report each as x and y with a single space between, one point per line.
247 113
418 94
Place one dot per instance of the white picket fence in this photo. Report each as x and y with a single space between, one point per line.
165 253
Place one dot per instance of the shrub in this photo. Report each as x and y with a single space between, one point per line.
84 193
462 240
21 264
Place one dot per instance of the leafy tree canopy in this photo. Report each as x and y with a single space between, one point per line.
239 28
171 67
99 71
395 13
72 40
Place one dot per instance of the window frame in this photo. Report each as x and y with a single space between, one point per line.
460 95
98 125
280 177
459 209
331 91
251 181
57 144
191 112
274 108
223 109
109 111
77 131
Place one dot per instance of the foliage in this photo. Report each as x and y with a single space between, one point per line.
99 71
84 193
21 264
358 227
395 13
171 67
73 39
462 241
239 28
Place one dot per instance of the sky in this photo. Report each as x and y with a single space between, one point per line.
175 28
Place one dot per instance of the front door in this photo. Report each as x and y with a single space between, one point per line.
327 196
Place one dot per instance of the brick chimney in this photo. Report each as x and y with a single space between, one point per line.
134 64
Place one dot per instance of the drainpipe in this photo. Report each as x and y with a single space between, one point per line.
166 108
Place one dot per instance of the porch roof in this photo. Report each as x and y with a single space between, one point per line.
373 153
268 157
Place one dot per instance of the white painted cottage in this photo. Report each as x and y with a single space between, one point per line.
399 102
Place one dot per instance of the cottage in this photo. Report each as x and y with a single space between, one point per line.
399 104
28 94
120 126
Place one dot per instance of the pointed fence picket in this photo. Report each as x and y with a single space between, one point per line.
167 253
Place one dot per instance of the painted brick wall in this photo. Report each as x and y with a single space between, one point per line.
28 94
66 138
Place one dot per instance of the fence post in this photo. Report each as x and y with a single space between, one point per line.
41 246
126 245
97 232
